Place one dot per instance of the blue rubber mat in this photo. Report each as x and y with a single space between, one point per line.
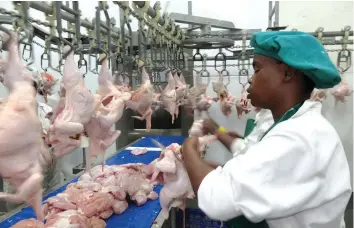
134 216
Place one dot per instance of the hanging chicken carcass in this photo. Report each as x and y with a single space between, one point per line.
243 105
142 99
169 96
20 158
79 107
101 136
227 101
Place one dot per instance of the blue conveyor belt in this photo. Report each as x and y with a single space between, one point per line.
134 216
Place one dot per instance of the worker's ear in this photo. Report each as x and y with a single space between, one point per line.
289 74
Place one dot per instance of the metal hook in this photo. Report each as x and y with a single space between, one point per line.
82 62
344 56
205 72
46 57
181 59
223 59
228 76
198 57
243 72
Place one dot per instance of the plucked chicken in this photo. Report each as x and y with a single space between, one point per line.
80 105
99 128
142 99
19 159
169 96
318 95
177 187
28 223
227 101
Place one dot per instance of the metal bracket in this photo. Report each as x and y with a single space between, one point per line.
344 56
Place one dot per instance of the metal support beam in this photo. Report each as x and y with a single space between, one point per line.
195 20
45 8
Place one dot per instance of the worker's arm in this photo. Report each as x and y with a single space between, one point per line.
269 181
225 137
196 167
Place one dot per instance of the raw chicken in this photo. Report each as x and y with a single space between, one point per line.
176 182
99 128
181 89
46 82
15 71
19 159
57 204
227 101
122 83
80 105
194 93
142 99
341 92
169 96
28 223
243 104
68 218
139 151
318 95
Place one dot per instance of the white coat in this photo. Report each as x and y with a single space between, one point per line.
263 121
296 177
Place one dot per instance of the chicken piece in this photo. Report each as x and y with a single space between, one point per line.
122 83
80 105
318 95
68 218
341 92
177 185
28 223
243 104
141 100
15 71
19 159
96 223
89 185
120 206
169 96
139 151
136 185
97 204
57 204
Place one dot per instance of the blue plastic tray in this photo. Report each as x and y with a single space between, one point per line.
134 216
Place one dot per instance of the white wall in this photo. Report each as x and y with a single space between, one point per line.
333 16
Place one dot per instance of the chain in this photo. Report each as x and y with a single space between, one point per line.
42 46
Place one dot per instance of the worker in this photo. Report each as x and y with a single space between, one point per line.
51 172
297 175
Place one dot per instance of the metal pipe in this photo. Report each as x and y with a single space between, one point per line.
270 7
238 35
67 9
151 12
276 14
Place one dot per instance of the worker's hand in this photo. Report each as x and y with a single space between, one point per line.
210 127
191 144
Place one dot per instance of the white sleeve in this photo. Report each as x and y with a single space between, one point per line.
275 178
237 146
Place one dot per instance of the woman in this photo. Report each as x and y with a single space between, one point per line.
297 175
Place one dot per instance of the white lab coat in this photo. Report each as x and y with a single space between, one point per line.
263 121
296 177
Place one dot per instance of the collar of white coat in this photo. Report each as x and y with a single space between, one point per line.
263 114
313 106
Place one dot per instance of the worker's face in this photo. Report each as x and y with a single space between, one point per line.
265 83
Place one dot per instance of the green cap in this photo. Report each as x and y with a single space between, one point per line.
300 51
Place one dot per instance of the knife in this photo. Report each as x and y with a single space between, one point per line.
158 144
